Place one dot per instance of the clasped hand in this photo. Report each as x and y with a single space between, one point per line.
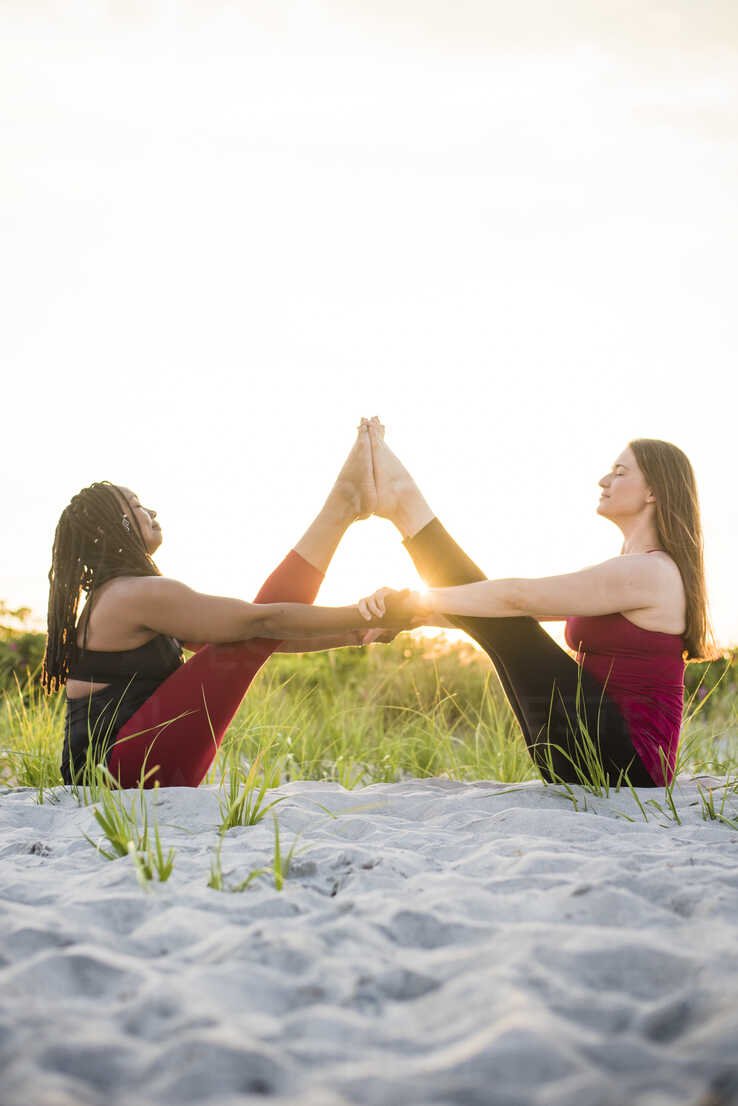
401 610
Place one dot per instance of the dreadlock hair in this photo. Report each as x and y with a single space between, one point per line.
91 546
670 477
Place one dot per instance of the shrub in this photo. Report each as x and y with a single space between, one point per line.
21 650
702 676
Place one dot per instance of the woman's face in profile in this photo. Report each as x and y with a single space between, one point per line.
624 488
145 517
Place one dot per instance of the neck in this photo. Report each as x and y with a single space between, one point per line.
639 535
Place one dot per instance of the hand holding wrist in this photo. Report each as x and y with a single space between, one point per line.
398 609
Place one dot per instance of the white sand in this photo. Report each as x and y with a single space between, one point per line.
438 943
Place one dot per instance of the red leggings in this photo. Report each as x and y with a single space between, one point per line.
182 724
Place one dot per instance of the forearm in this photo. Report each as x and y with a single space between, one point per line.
289 621
319 644
484 599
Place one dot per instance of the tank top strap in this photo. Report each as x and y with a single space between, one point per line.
84 622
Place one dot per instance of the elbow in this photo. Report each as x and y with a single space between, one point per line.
259 623
265 627
269 620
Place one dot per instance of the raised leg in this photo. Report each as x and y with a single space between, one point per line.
539 678
352 497
180 727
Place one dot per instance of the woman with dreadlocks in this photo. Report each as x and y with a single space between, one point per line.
129 692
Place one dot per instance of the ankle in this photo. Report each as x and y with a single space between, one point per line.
338 511
410 518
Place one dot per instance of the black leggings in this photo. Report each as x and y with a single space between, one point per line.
538 677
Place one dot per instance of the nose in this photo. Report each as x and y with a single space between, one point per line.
604 482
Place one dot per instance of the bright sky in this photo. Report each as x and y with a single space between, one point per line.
230 230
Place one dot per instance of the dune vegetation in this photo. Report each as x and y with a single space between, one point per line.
418 707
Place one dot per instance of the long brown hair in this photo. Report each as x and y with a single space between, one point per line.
670 477
91 545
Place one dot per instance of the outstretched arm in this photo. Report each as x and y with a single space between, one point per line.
624 583
170 607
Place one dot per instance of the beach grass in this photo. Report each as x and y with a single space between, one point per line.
417 708
245 791
126 834
31 729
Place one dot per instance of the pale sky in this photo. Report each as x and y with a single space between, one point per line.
230 230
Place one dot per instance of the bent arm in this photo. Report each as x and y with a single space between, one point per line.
624 583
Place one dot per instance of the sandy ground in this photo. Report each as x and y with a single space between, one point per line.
439 942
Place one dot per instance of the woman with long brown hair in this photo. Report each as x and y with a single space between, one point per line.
633 620
130 695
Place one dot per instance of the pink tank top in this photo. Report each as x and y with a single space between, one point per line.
642 671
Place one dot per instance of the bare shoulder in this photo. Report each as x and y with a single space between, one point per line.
660 557
666 612
139 596
117 618
167 606
124 590
670 575
643 567
125 600
655 564
145 587
659 565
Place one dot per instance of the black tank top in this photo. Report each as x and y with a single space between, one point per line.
155 658
133 675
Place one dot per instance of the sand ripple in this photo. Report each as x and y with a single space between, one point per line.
437 943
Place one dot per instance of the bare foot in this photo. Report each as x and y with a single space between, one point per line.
393 482
399 498
353 492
